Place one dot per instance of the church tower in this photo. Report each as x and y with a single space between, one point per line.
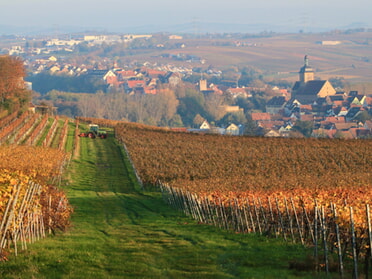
306 72
307 90
203 85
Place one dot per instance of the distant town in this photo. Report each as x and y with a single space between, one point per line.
67 74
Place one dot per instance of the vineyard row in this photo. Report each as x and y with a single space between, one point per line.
28 129
323 227
31 211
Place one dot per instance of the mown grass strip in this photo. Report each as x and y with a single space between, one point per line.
121 232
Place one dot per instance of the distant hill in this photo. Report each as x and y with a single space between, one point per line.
187 27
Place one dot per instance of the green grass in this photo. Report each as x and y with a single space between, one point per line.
119 231
70 137
57 135
45 132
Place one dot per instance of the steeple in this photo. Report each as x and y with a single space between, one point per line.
306 61
306 72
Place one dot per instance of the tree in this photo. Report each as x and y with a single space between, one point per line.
13 93
214 106
176 121
362 116
304 127
233 117
161 107
191 105
251 128
170 104
198 120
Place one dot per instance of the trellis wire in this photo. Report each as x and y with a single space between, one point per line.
317 227
23 223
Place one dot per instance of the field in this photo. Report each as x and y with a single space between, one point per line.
248 188
120 231
246 163
280 56
31 204
302 189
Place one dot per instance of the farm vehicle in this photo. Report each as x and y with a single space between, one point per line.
94 132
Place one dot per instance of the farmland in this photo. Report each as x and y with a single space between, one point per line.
120 231
246 163
278 56
293 189
287 187
31 204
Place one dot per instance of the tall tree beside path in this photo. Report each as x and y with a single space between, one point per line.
13 93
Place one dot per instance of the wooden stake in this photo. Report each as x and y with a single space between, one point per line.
289 220
257 217
353 242
263 214
250 215
338 238
298 224
272 218
280 219
316 236
246 219
369 229
308 223
324 233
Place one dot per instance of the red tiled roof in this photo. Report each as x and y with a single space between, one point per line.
335 119
112 80
156 73
284 91
136 83
338 103
270 124
150 90
126 73
306 107
256 116
307 117
345 126
217 91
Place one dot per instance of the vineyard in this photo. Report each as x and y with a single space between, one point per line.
32 159
312 191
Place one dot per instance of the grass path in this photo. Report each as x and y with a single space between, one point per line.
121 232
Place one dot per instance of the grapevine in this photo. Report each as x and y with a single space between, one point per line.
300 189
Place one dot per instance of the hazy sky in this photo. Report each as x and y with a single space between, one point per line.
113 15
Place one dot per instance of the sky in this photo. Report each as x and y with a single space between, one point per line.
116 16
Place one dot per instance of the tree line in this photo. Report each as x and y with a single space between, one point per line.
183 106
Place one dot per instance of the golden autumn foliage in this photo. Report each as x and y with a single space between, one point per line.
38 162
27 195
213 162
230 169
13 94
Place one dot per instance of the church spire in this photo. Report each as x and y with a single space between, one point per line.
306 72
306 61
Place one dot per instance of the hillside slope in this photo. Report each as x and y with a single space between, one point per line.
121 232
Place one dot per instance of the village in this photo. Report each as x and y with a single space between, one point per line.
312 107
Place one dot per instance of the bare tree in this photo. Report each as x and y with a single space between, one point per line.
214 106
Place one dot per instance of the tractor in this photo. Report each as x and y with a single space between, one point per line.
94 132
